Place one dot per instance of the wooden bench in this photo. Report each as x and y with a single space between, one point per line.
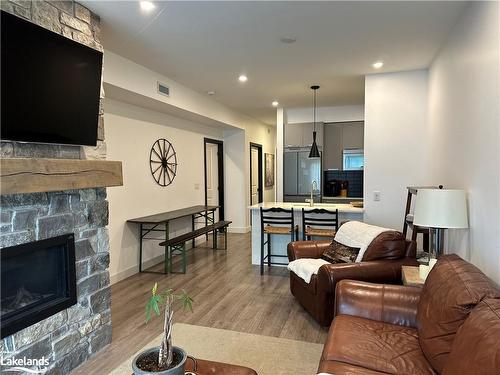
177 245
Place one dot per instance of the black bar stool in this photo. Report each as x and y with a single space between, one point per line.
328 223
275 221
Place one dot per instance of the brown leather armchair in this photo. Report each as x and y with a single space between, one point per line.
381 263
450 326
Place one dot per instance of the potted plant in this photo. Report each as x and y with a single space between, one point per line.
165 359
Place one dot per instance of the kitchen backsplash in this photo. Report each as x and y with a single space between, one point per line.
353 178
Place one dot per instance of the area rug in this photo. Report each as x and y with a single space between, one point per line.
267 355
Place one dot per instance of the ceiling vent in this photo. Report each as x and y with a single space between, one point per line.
163 89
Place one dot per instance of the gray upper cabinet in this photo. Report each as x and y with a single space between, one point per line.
293 135
353 136
338 137
300 135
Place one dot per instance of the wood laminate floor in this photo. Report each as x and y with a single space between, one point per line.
229 293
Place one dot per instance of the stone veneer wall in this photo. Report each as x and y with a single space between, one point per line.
69 337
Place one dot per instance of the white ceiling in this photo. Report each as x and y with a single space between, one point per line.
206 45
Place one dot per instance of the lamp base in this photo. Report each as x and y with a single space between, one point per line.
436 242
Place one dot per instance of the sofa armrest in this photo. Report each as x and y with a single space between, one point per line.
394 304
377 271
306 249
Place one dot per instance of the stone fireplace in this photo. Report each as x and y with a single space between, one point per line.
80 325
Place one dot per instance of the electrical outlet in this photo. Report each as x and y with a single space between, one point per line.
376 196
196 186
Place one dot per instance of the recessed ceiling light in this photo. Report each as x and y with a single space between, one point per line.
147 6
288 40
211 93
243 78
378 64
275 103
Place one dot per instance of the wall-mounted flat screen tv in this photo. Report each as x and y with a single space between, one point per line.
50 85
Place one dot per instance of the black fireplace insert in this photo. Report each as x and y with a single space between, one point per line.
38 280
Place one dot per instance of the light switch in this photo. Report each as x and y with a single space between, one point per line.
376 196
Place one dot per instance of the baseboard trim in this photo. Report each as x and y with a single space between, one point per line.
122 275
134 269
238 229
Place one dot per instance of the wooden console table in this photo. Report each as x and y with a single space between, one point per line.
160 222
411 276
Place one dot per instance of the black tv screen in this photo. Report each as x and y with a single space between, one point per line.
50 85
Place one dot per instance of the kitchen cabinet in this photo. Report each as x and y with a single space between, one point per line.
293 135
353 136
307 134
339 137
300 135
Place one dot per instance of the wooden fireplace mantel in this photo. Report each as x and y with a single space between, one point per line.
19 175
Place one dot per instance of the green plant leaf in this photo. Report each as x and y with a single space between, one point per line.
148 311
166 297
166 294
155 307
187 301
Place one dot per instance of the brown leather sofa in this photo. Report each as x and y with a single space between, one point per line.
381 263
450 326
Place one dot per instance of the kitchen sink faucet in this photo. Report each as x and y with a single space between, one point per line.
314 186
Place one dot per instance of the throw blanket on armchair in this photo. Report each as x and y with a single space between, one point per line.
352 233
358 234
306 267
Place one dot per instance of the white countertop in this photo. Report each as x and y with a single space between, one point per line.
342 198
307 207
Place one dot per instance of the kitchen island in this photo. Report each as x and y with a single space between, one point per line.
280 242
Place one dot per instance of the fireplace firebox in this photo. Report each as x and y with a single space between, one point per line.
38 280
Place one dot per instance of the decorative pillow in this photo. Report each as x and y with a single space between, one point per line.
340 253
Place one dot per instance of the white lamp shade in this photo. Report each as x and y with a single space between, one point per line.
439 208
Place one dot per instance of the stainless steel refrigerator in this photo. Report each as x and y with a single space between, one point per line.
300 171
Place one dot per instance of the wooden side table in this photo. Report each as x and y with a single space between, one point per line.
411 276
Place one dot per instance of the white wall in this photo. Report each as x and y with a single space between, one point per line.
124 73
326 114
141 115
395 143
464 125
235 180
121 74
280 139
266 137
130 133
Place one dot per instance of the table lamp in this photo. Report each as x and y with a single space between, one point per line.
440 209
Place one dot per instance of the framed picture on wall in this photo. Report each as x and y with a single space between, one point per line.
269 166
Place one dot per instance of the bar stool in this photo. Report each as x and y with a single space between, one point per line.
330 220
275 221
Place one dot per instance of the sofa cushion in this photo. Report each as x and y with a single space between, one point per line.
339 368
375 346
387 245
452 289
340 253
476 349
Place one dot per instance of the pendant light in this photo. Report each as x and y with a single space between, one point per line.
314 153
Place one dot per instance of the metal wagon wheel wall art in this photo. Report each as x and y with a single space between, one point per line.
163 162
